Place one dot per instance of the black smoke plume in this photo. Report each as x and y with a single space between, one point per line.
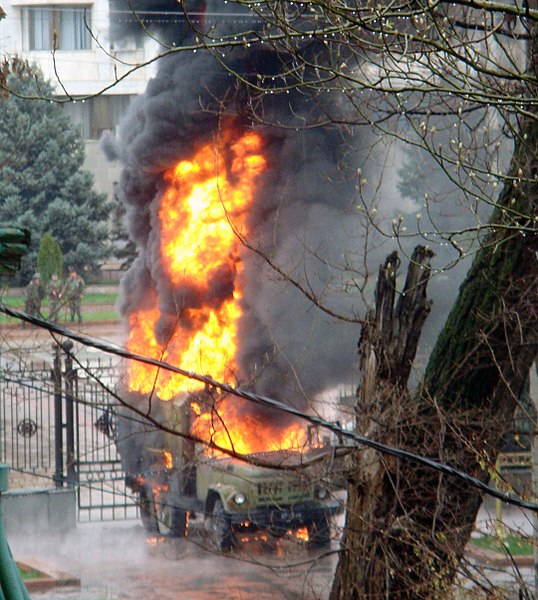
301 217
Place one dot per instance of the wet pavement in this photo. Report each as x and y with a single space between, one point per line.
117 561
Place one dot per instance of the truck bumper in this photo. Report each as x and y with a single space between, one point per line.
284 517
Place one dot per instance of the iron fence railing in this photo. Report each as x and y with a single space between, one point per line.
58 423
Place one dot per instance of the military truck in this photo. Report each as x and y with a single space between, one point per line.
176 481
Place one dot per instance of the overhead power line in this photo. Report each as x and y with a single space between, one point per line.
110 348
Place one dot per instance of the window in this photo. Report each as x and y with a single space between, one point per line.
57 27
95 115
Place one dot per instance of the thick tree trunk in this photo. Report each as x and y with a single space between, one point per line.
387 349
473 381
407 527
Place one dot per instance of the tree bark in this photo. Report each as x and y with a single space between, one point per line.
387 349
407 527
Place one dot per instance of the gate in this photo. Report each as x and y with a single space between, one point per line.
27 418
58 428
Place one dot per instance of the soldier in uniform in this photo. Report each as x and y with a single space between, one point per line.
33 295
73 291
54 294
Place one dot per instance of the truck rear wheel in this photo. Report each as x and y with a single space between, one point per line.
220 527
319 533
148 515
171 521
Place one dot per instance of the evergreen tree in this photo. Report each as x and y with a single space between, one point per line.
49 257
42 184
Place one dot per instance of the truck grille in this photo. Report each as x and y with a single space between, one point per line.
270 491
298 490
282 492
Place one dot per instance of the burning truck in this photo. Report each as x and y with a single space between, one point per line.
181 447
179 475
240 205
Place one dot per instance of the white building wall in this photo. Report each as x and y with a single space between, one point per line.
77 72
104 171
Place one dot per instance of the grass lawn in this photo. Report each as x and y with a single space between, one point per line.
89 299
28 573
96 306
513 545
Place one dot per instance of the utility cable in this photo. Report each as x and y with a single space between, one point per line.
110 348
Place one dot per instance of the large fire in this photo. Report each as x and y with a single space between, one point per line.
202 214
226 426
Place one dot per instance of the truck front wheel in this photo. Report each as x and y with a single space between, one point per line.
220 527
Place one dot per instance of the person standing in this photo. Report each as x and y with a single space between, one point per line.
54 294
33 295
73 291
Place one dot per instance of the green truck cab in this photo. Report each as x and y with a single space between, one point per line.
176 480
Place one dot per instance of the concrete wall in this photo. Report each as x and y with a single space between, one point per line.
43 509
105 172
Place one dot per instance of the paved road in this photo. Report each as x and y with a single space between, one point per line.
116 561
34 343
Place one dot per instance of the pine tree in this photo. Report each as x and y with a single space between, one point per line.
49 257
42 184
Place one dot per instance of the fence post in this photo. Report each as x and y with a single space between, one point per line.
58 418
70 375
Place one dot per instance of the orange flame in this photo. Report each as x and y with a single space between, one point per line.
168 459
226 427
202 216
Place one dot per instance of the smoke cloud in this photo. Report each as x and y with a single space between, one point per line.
288 349
301 220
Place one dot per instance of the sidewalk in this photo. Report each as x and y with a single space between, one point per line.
117 561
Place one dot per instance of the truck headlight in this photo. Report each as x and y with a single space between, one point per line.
239 498
321 493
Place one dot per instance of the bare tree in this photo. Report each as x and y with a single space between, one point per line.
420 521
469 70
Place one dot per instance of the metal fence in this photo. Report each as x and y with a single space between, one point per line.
27 434
58 427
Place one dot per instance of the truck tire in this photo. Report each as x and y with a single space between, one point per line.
319 533
171 521
220 527
148 515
